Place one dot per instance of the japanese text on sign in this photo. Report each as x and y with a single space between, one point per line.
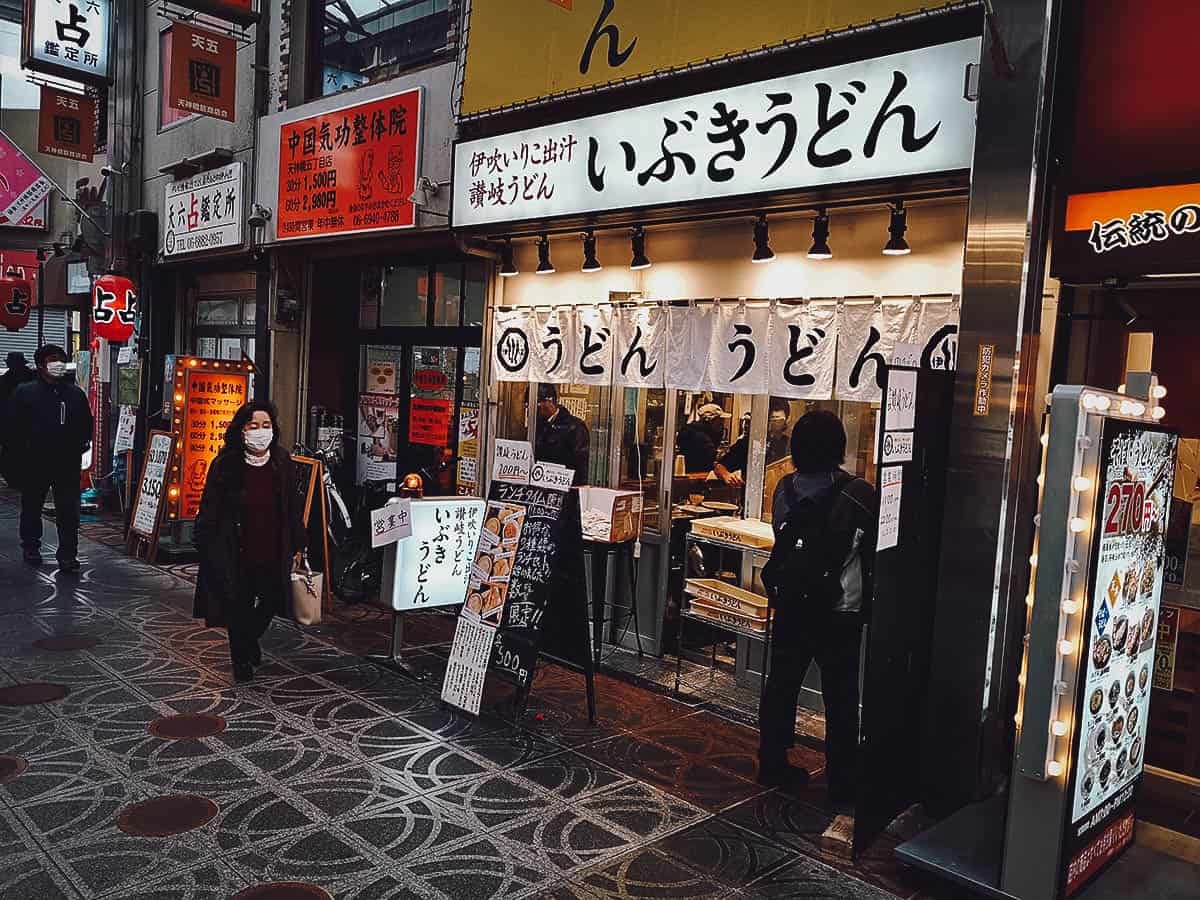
204 212
896 115
433 564
511 461
391 522
69 38
66 125
209 401
351 169
203 77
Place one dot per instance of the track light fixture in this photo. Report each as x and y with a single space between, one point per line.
762 241
640 259
507 267
590 263
897 245
820 245
544 266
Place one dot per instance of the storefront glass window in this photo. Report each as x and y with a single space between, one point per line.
218 312
362 41
512 410
642 433
474 293
447 294
368 298
249 308
709 424
405 295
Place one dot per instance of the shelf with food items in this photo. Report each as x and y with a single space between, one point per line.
727 606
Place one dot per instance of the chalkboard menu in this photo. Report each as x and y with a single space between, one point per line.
530 551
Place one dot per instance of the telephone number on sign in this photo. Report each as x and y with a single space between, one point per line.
384 217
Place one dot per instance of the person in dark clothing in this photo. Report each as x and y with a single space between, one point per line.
249 532
16 374
560 437
832 636
699 440
48 428
731 467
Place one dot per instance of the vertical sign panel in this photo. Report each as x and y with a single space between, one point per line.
1134 489
203 72
351 169
66 125
210 398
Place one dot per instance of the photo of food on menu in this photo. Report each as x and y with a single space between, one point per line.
488 587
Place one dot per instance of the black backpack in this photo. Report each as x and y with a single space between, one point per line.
804 572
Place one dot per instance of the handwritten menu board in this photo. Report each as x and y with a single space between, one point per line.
1137 467
433 565
210 398
529 543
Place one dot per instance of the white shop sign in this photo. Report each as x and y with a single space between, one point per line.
889 117
204 212
71 39
432 565
511 461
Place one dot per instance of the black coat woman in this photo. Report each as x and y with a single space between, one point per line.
249 532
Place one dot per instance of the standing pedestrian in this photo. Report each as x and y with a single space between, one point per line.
249 532
16 373
48 429
819 579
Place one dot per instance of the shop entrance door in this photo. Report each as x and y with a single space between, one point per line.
900 630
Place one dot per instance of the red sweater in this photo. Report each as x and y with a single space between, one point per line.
260 515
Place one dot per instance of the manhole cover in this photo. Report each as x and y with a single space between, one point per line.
283 890
164 816
11 767
31 693
64 642
187 725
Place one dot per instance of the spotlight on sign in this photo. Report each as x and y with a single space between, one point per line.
820 245
590 262
762 241
544 266
507 267
638 241
897 245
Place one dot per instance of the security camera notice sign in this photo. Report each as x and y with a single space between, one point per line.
204 212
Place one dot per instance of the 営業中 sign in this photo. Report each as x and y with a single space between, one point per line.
433 563
203 72
391 522
894 116
68 39
350 169
66 125
204 212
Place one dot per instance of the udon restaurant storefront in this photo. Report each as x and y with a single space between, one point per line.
679 282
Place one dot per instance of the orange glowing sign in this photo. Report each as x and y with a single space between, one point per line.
212 391
351 169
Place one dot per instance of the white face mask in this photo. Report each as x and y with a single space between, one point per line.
56 369
258 439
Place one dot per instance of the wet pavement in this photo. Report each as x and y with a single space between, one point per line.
132 766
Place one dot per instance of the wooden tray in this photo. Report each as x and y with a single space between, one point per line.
747 533
717 593
724 616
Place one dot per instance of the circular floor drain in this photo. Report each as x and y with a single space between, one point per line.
187 725
165 816
31 693
63 642
11 767
283 890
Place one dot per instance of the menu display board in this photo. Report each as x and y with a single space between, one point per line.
1134 489
351 169
433 564
529 543
210 398
147 506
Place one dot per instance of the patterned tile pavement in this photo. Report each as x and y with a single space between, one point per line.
333 771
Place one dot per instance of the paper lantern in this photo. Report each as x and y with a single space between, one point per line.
16 296
114 305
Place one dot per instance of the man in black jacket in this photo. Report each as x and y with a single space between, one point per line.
49 428
17 372
560 437
828 631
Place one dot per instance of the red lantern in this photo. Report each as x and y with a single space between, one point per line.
16 300
114 305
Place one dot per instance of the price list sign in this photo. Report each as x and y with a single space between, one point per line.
1133 505
209 399
351 169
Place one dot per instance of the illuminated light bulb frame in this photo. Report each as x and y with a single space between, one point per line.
184 365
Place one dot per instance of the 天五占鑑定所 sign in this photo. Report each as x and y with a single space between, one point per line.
894 116
351 169
203 77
